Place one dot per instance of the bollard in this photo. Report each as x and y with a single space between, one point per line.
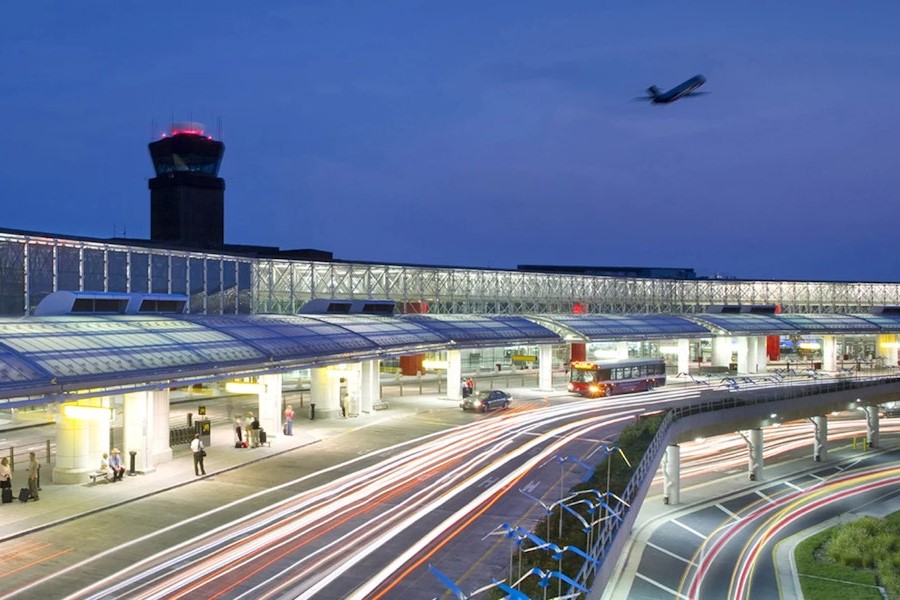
312 411
190 420
133 453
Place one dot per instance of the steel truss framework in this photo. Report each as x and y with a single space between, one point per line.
32 266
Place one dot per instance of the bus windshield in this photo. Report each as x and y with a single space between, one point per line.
584 375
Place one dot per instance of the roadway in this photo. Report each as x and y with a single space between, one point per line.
347 508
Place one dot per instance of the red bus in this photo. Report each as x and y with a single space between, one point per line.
616 377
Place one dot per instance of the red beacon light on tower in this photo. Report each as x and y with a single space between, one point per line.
187 129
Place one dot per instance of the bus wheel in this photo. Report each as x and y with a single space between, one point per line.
649 387
607 391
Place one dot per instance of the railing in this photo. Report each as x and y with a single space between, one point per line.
607 544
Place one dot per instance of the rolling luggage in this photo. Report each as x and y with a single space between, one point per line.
7 495
24 495
238 445
262 436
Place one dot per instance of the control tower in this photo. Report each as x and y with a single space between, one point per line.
187 197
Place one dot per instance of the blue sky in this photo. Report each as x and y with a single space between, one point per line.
473 133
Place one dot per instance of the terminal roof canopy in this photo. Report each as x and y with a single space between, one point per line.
482 330
595 327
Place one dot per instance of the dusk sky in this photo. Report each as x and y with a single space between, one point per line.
484 134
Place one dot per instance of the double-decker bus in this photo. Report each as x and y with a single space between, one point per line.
616 377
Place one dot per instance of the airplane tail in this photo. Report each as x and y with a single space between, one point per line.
653 91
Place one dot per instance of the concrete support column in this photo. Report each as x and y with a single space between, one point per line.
621 350
370 385
545 368
820 445
721 351
762 355
672 475
743 354
829 353
454 375
82 436
872 426
324 392
269 412
684 355
145 426
755 447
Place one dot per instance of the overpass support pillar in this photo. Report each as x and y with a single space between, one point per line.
754 439
545 368
454 374
820 446
721 351
684 355
762 357
370 385
672 475
829 353
621 350
872 425
269 411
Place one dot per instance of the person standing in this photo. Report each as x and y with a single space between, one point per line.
248 428
116 465
289 420
33 471
5 474
254 433
238 426
199 453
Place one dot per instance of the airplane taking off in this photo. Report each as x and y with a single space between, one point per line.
681 90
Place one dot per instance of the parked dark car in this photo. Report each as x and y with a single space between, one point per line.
486 400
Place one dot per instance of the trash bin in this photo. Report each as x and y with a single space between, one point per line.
133 453
312 411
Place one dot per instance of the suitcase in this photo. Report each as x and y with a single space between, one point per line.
262 436
243 444
7 495
238 445
24 495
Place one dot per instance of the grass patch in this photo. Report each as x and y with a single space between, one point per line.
865 552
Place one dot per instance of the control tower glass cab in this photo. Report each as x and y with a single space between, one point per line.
187 196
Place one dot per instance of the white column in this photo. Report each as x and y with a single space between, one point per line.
721 351
141 421
323 392
829 353
160 450
370 385
621 350
545 368
872 426
755 447
743 354
81 439
762 358
269 412
684 355
454 375
672 475
820 445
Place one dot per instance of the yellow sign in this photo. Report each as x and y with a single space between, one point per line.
524 358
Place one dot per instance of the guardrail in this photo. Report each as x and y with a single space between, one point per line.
612 536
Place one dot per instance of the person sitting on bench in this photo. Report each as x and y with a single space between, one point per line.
116 465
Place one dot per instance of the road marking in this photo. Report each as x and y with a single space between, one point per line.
795 486
531 486
661 586
763 496
734 516
487 482
686 528
672 554
814 476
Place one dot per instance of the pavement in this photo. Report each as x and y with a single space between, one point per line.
60 503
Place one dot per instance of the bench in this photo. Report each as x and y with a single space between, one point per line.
99 474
